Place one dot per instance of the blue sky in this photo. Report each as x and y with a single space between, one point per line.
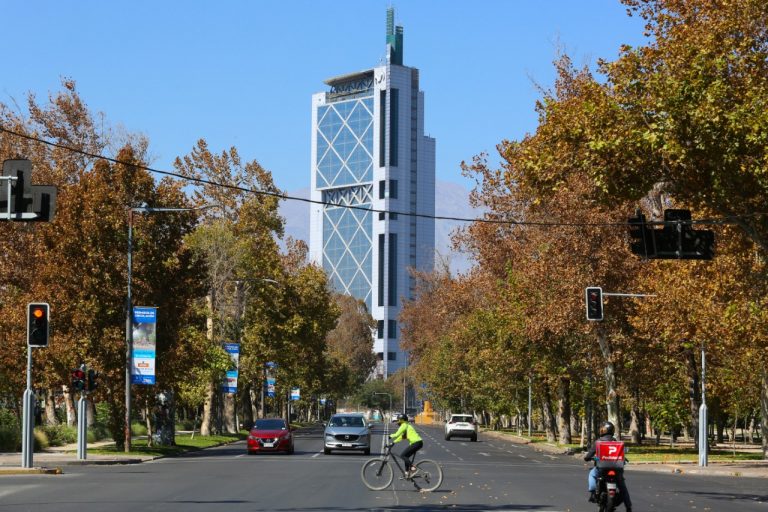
242 73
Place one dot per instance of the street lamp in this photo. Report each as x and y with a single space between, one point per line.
129 313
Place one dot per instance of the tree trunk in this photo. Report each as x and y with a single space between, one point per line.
564 409
91 405
248 407
229 413
694 392
148 424
207 423
612 394
634 425
549 419
70 404
764 412
50 408
205 426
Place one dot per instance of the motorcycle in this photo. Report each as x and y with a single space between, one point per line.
608 494
610 475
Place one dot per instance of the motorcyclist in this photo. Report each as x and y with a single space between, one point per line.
406 431
606 434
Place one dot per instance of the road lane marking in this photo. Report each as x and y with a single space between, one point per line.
315 455
484 454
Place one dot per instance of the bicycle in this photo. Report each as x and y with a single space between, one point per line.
377 473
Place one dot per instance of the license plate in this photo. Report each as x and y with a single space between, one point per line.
269 445
346 445
611 487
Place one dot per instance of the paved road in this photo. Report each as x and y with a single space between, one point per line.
491 474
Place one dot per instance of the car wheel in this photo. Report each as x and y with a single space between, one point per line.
290 450
326 451
474 439
367 451
447 437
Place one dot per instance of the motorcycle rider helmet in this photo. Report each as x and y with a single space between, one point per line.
607 428
402 418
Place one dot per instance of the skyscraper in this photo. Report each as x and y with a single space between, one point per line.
369 151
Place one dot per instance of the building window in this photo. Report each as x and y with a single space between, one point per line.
382 128
393 120
391 356
380 329
392 329
382 189
392 267
382 215
393 189
380 356
381 271
393 216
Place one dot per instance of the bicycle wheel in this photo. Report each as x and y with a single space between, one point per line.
377 474
430 475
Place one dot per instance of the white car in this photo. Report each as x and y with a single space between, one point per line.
461 425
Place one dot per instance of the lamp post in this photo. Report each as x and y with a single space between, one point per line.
129 312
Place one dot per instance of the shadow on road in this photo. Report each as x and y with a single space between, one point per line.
730 496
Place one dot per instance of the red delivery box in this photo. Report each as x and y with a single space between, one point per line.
610 454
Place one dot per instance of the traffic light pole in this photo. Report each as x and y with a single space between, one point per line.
82 427
28 420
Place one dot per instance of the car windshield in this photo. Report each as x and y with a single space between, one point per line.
467 419
347 421
269 425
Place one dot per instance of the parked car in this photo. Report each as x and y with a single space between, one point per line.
461 425
270 435
347 432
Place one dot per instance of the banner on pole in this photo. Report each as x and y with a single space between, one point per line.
144 345
295 394
233 349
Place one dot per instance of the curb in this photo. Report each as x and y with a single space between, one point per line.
30 471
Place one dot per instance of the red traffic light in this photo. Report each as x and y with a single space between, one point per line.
38 330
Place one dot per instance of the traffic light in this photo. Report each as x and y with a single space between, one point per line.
92 376
643 241
594 298
78 379
37 324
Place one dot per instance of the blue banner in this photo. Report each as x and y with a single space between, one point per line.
295 394
233 349
143 355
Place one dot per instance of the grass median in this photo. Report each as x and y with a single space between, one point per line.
663 454
184 443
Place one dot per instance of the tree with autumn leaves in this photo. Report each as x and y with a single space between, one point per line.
678 122
204 268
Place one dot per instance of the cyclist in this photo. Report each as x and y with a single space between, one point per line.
406 431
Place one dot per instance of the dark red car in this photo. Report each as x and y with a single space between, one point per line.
270 435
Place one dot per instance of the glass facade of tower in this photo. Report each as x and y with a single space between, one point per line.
344 172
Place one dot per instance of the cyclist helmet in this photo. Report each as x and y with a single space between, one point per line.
607 428
402 418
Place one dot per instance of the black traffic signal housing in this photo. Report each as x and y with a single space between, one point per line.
594 302
678 239
37 324
92 376
78 379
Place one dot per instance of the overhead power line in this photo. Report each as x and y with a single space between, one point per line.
286 197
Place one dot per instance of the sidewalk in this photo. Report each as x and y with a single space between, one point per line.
750 469
51 460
